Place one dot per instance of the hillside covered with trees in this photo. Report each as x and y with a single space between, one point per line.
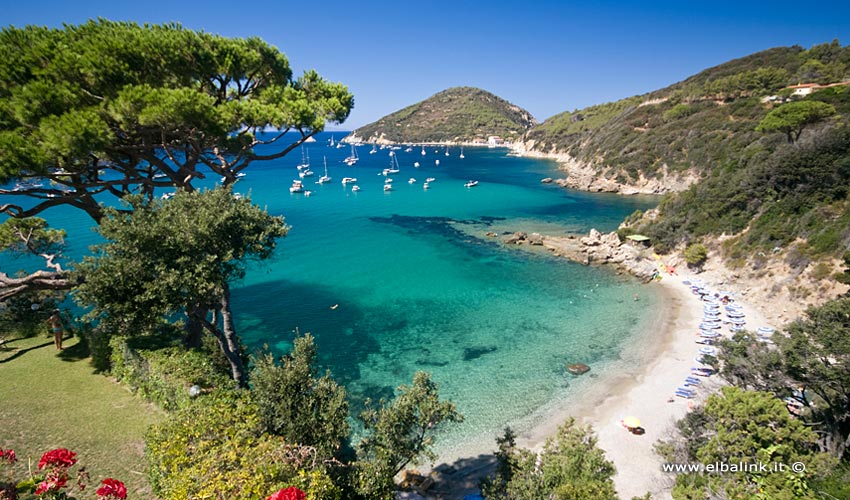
771 160
458 114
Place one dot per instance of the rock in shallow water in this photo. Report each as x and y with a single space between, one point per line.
578 368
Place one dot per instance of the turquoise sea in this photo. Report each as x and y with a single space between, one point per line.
418 286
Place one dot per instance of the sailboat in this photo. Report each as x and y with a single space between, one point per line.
323 179
461 153
447 151
351 159
305 159
374 150
394 168
423 150
331 143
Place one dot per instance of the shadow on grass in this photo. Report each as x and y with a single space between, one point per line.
75 352
18 352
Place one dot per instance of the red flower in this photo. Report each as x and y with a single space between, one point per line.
52 483
112 489
291 493
60 457
8 456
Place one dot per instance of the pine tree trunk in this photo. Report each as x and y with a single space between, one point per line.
228 340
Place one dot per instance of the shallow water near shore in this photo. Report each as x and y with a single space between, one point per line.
394 282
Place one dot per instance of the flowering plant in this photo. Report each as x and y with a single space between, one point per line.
58 458
111 489
291 493
56 465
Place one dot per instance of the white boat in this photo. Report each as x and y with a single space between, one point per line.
310 139
305 159
307 193
447 151
388 180
374 150
416 164
423 150
394 168
296 187
323 179
426 185
331 142
437 162
471 184
348 180
158 176
430 179
411 181
461 153
352 159
355 188
167 196
388 187
408 150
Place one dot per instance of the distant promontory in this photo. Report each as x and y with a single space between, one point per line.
455 115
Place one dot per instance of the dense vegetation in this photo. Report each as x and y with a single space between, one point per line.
773 172
702 123
459 114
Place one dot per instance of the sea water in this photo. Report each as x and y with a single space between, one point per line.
392 282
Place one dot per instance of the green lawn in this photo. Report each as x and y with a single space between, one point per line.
54 400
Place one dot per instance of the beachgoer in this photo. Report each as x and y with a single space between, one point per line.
55 322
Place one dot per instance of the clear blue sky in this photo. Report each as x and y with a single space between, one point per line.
546 56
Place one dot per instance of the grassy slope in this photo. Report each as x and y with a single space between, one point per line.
52 400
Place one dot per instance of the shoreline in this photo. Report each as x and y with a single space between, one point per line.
663 361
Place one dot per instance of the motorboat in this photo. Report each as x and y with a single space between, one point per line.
430 179
355 188
348 180
416 164
296 187
411 181
388 187
471 184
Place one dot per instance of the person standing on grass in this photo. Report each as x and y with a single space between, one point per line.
55 322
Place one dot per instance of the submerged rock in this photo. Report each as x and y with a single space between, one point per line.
471 353
578 368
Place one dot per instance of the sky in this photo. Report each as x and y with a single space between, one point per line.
545 56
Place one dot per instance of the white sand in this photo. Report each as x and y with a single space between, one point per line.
645 394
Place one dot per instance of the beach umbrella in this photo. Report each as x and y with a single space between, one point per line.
631 422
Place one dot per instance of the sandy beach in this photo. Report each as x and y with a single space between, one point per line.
665 362
647 394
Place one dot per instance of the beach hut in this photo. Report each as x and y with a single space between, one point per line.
640 239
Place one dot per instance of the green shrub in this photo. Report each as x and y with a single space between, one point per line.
678 111
696 254
215 447
298 405
162 371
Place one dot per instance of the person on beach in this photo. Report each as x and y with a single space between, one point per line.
55 322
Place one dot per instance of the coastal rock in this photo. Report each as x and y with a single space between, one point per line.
578 368
490 234
535 239
515 238
546 180
592 239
